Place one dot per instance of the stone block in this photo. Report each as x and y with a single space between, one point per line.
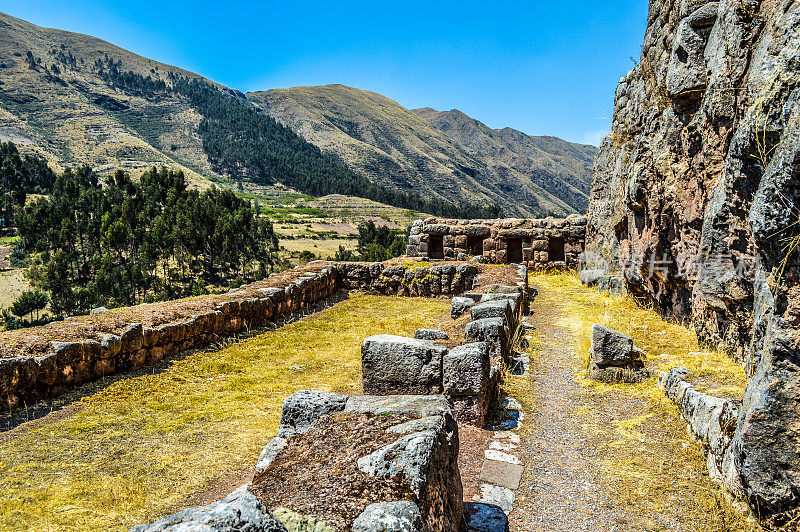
397 365
303 408
612 348
459 305
500 308
430 334
465 370
493 331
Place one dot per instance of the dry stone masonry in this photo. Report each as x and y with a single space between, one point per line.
46 368
412 471
695 201
468 375
539 243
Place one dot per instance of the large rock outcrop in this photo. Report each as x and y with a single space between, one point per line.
695 200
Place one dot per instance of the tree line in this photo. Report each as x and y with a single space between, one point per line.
376 244
243 142
20 176
123 242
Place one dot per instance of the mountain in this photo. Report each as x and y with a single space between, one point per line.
54 102
76 99
439 154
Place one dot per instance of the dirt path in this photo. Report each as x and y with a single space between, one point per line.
560 489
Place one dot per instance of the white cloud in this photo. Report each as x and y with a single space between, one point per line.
595 137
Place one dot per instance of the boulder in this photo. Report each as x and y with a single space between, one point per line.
590 277
612 348
613 284
397 365
480 517
303 408
614 357
430 334
394 516
240 511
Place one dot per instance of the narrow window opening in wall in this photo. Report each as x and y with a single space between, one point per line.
514 250
435 247
475 245
555 249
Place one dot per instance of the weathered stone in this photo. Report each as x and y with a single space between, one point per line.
425 461
612 348
430 334
394 516
459 305
500 308
493 331
303 408
613 284
590 277
397 365
240 511
466 370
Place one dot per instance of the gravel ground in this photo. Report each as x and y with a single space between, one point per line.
560 489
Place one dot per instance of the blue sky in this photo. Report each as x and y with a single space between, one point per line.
545 68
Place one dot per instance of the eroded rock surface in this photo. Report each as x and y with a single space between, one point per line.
695 200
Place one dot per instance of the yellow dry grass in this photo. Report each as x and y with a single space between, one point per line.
140 448
653 468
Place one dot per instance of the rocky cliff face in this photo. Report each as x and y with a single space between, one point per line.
695 197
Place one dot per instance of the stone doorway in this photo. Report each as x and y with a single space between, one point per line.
435 247
514 250
474 245
555 249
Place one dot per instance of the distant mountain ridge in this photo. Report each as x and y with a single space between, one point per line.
443 154
76 99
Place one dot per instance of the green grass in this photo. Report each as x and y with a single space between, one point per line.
137 450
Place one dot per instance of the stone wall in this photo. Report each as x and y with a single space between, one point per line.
711 420
48 368
389 463
539 243
696 197
469 374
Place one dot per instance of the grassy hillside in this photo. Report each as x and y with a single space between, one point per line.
445 155
58 106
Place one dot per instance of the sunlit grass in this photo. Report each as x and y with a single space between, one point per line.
654 470
136 450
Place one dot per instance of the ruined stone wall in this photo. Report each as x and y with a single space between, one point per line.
48 368
695 201
539 243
